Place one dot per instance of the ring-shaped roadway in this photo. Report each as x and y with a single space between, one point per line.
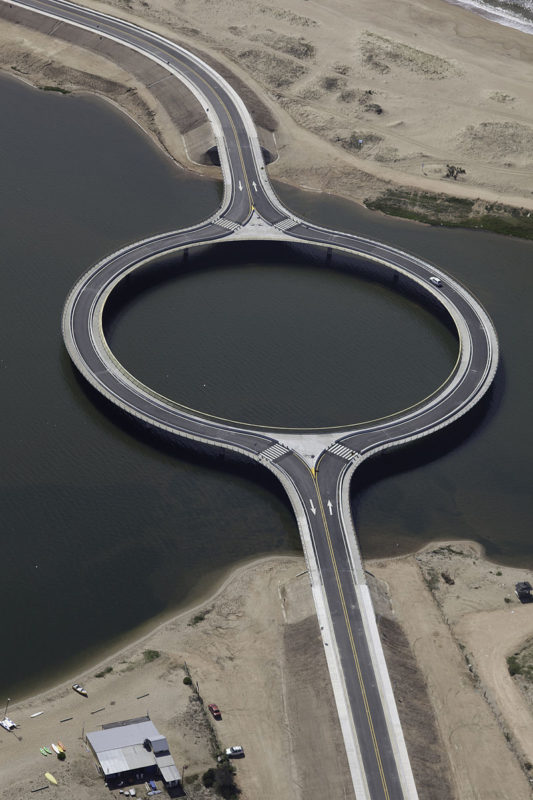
314 467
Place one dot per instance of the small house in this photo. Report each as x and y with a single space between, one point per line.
133 750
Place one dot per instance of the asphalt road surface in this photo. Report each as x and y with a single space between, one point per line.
314 466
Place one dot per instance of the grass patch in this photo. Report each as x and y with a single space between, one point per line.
455 212
200 616
54 89
521 663
357 141
449 549
432 580
513 665
150 655
104 672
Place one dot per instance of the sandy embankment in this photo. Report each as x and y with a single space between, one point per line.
462 619
256 650
365 94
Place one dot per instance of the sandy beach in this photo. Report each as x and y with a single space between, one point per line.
360 97
354 98
254 648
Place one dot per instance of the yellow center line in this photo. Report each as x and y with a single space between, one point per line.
352 642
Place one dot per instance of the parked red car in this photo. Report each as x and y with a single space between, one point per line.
215 710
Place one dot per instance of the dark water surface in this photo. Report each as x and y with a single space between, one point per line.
283 341
474 479
105 526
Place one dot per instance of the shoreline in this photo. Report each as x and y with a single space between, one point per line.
254 638
99 655
496 15
312 149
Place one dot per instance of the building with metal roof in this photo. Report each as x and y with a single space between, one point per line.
133 750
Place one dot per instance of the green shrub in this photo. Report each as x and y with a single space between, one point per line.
151 655
225 784
208 778
54 89
513 665
187 680
200 616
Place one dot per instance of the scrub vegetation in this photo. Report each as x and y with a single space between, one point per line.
54 89
456 212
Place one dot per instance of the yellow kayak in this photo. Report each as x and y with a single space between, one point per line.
50 777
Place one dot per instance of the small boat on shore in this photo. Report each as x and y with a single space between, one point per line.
50 777
61 745
47 750
79 689
37 714
43 751
56 749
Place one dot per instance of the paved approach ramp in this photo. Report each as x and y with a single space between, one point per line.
315 467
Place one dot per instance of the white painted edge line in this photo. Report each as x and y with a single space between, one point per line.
387 695
345 517
353 753
193 88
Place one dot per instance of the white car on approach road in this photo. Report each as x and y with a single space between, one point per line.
235 752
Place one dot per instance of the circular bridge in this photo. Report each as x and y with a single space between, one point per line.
315 467
85 340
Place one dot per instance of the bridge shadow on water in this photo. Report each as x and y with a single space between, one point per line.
423 452
403 459
205 258
397 461
189 451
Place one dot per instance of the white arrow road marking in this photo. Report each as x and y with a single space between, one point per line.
240 186
313 509
330 507
254 184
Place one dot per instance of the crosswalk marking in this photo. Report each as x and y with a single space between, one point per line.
285 224
274 452
342 451
227 223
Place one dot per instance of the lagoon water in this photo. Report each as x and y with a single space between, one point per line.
106 526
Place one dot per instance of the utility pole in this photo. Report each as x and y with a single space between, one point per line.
8 702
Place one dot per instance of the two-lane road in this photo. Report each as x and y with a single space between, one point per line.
314 467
